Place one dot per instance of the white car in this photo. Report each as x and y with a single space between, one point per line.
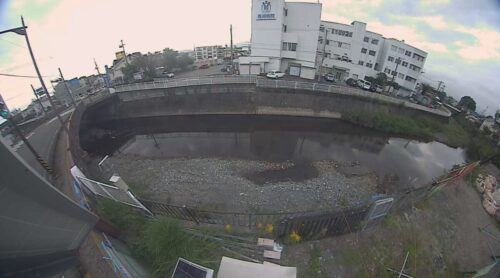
170 75
275 74
363 84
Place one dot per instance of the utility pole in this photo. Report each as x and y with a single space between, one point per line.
40 76
122 46
232 54
398 61
439 85
67 88
97 68
37 98
99 73
322 55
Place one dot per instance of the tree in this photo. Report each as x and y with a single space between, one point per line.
467 102
426 87
441 95
497 114
381 79
170 58
184 61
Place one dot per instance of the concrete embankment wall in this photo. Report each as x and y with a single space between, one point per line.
243 99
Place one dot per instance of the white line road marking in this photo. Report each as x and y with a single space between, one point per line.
51 120
17 146
29 135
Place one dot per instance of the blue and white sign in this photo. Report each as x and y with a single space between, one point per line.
266 12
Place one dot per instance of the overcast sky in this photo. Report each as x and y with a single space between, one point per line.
462 37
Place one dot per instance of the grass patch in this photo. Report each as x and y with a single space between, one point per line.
314 265
391 221
162 242
159 243
389 123
122 216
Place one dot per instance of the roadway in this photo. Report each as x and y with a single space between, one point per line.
43 140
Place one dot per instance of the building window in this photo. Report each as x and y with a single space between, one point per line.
284 28
377 68
394 72
322 28
285 11
418 57
387 70
408 53
361 63
363 50
320 40
342 33
369 65
289 46
394 48
374 41
366 39
415 68
371 52
401 50
342 44
404 64
400 75
390 59
328 42
410 79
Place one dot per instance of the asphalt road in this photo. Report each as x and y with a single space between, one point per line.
43 140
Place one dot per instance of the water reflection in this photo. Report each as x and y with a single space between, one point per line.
413 163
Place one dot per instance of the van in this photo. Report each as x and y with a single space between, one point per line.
363 84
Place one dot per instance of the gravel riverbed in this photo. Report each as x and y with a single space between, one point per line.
230 184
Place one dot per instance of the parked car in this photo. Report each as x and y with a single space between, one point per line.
329 77
204 67
226 68
275 74
170 75
351 82
376 88
363 84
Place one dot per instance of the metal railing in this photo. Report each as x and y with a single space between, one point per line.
163 84
278 84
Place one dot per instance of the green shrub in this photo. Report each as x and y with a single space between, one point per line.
162 242
128 220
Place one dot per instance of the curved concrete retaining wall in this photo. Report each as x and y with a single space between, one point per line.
245 99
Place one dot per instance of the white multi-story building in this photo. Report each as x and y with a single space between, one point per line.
284 38
208 55
350 51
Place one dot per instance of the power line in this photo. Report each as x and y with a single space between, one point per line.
13 43
22 76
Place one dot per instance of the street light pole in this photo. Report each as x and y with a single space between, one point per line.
40 76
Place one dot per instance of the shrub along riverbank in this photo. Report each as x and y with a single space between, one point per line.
159 243
458 132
